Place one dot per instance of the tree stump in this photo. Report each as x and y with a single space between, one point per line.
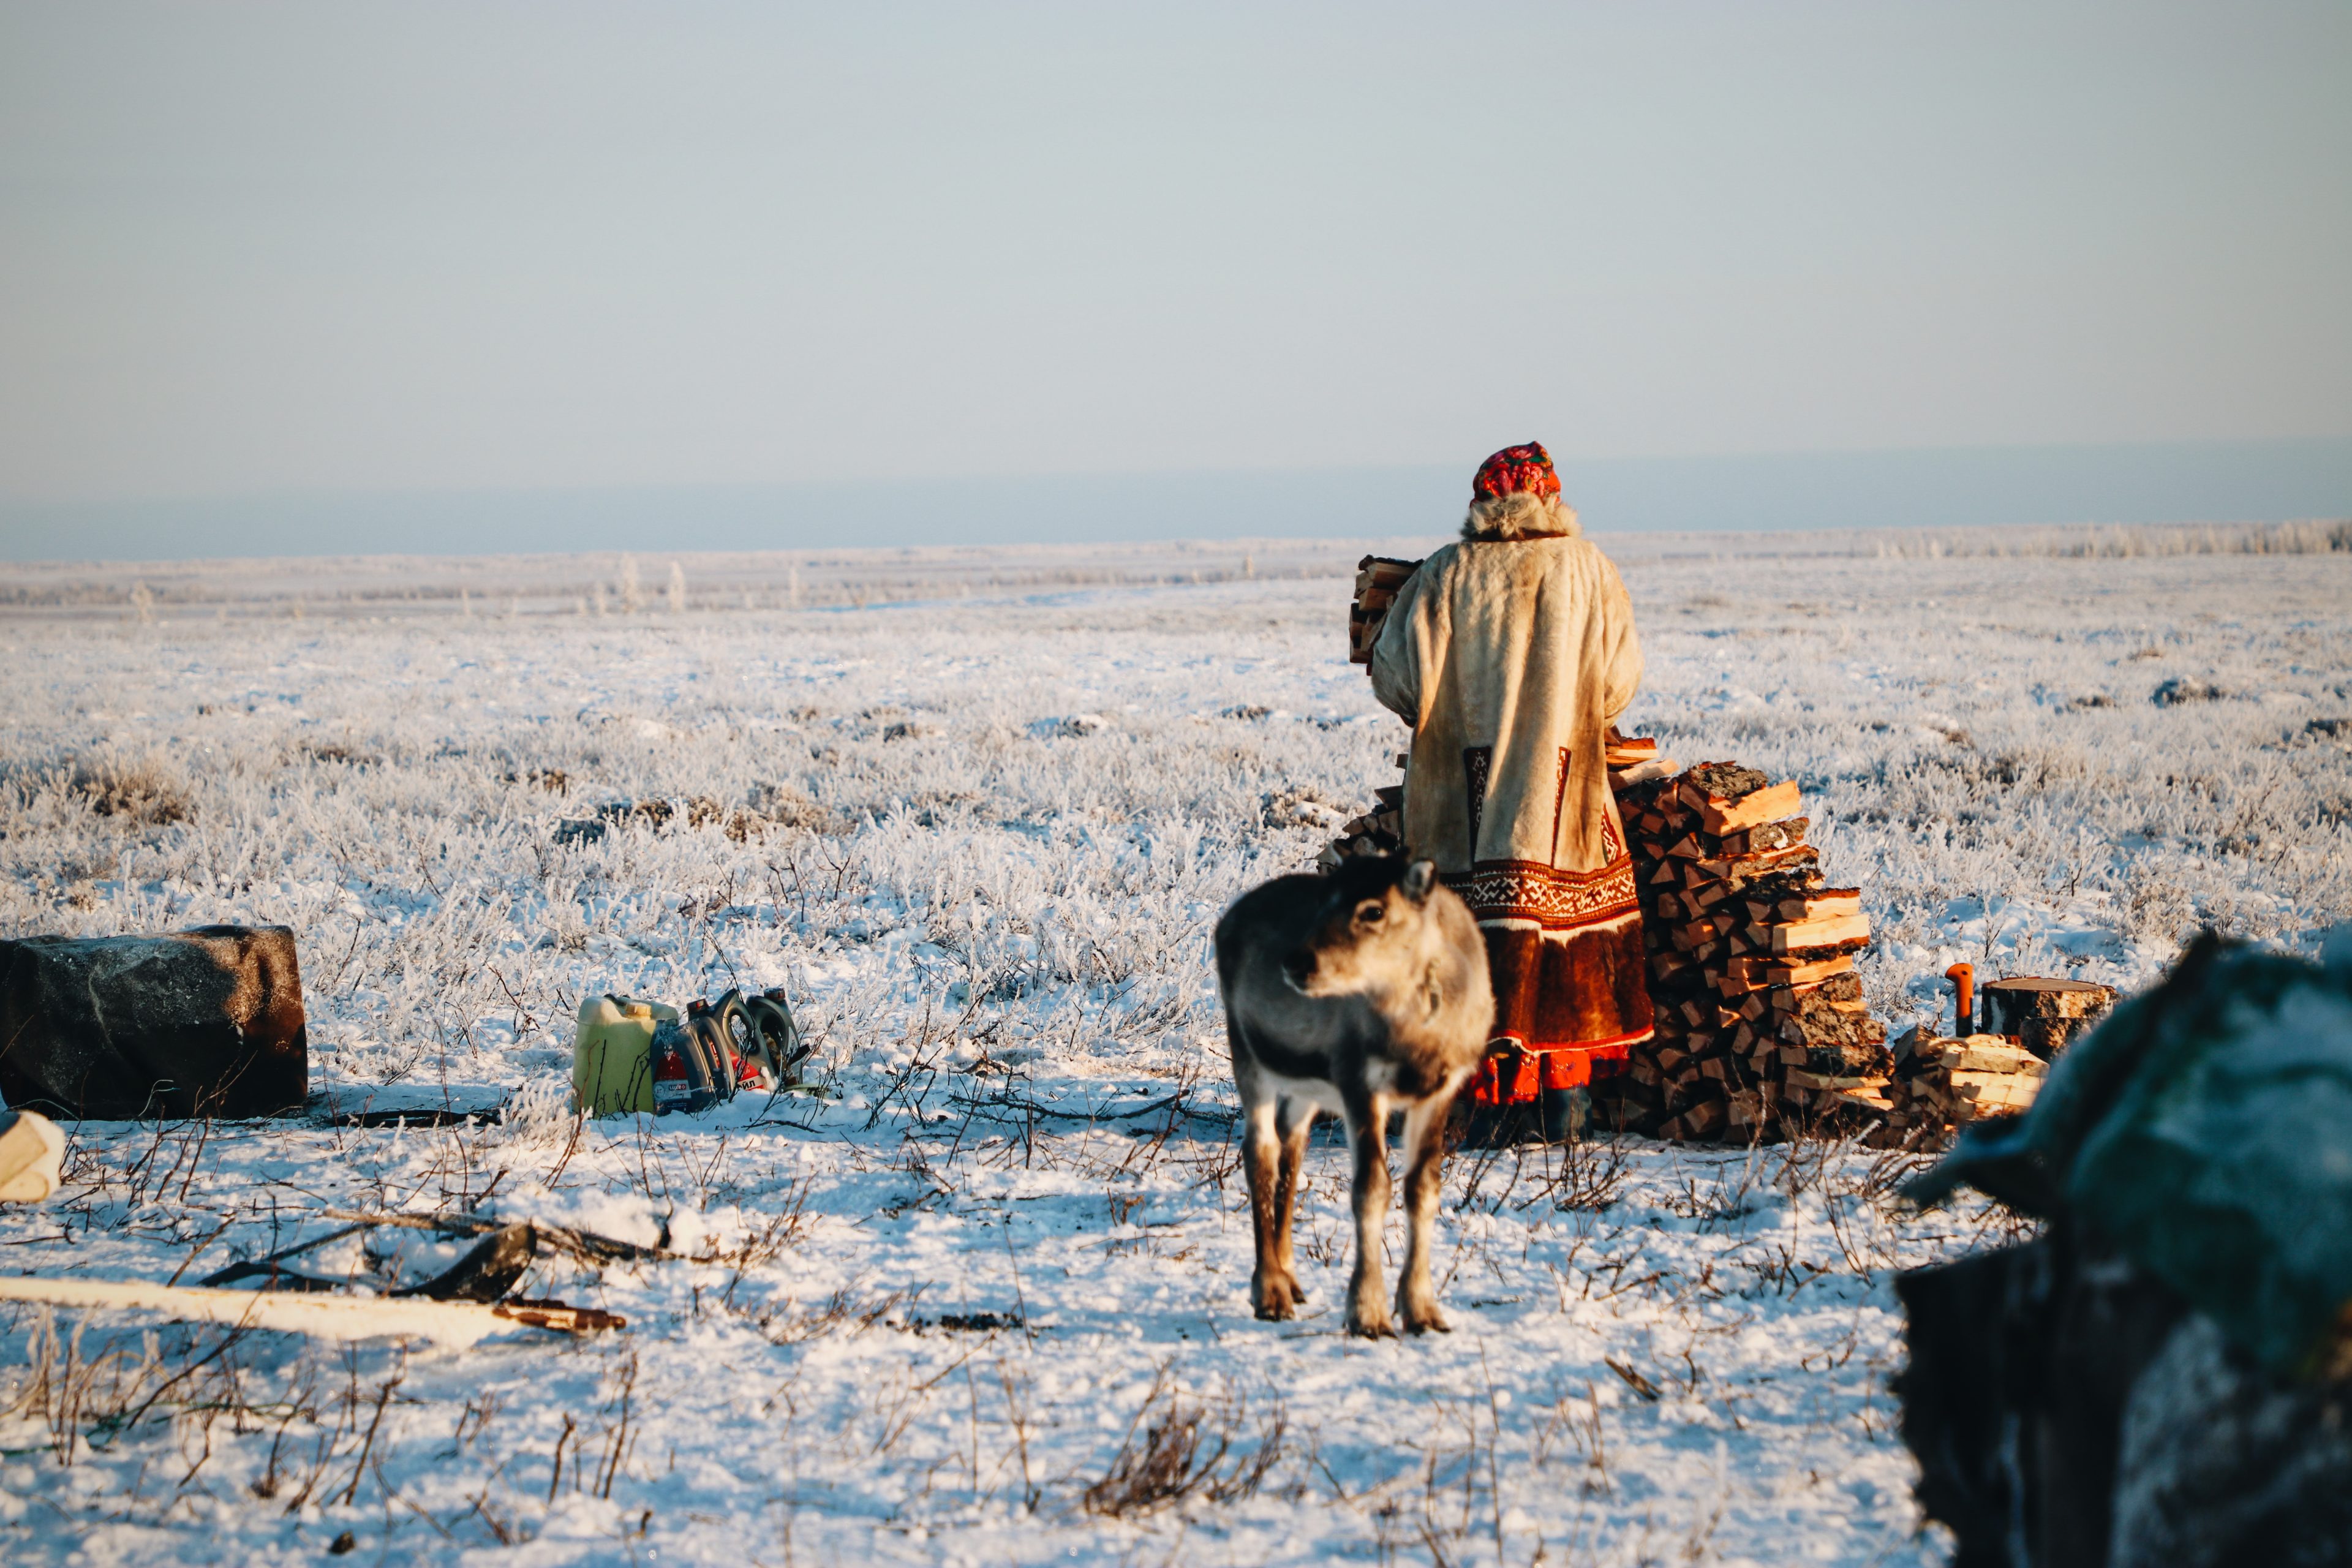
2042 1014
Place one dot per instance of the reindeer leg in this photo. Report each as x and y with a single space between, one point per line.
1270 1294
1296 1120
1368 1130
1424 1142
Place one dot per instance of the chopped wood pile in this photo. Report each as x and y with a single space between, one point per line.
1378 578
1760 1021
1379 831
1940 1084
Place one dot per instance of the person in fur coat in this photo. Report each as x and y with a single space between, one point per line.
1511 652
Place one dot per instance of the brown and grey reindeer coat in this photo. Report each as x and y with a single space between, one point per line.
1353 994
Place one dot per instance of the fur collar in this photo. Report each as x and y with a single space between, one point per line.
1520 515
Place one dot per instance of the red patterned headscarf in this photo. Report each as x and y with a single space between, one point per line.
1514 470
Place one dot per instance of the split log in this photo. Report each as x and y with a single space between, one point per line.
1986 1054
1719 783
1769 836
1739 872
1769 804
1378 578
1625 751
1760 971
1826 931
1703 1121
1820 905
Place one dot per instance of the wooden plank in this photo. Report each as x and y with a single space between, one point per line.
347 1318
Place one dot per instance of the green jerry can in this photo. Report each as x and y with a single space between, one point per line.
611 1054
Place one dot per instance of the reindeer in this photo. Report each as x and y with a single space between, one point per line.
1351 994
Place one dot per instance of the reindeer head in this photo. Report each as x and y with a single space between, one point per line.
1375 933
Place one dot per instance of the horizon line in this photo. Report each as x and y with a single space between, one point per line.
2270 480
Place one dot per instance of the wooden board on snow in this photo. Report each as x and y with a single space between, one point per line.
346 1318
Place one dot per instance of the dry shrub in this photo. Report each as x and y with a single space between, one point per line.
1173 1450
788 807
1590 1175
143 792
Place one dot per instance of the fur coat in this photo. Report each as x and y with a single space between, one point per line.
1510 653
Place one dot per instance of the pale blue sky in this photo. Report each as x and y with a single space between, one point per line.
324 249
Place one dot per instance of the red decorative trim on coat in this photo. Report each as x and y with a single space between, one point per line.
1514 1071
1525 890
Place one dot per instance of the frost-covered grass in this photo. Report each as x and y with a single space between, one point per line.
994 922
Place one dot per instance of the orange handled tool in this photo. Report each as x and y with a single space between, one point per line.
1964 998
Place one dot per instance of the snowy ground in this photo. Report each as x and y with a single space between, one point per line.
995 922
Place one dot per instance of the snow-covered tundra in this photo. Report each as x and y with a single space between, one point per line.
980 1295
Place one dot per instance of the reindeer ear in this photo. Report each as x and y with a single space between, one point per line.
1419 877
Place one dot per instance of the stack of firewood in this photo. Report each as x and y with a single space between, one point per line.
1940 1084
1379 831
1760 1021
1378 578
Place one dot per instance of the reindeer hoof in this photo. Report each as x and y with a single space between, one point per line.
1427 1321
1277 1298
1379 1328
